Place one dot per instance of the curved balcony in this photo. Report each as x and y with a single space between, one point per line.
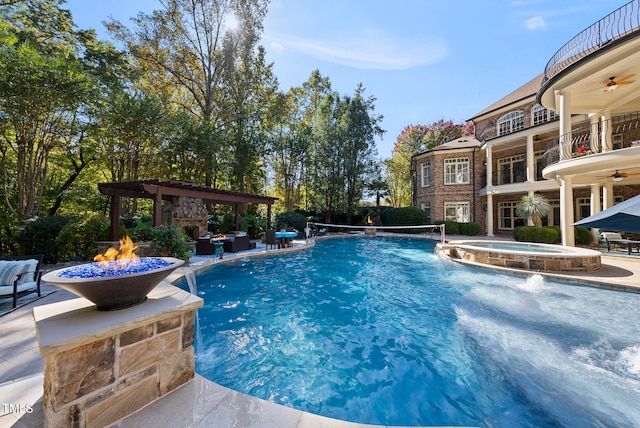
620 24
619 132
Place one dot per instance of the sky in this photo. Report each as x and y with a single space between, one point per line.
422 60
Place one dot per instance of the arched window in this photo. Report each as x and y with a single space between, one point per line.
511 122
541 115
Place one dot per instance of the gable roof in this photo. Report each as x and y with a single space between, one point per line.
466 142
529 89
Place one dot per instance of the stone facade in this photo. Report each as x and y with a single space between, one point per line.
187 213
539 262
98 379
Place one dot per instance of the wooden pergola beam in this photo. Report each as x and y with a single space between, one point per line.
160 190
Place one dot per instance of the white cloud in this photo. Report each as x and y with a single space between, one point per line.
371 51
276 46
535 23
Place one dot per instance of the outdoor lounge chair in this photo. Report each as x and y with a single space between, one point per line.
617 239
19 276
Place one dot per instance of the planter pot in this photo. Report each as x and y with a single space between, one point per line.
111 286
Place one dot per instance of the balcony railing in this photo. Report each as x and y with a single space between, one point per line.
619 132
615 26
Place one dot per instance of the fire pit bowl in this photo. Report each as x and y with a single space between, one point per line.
115 284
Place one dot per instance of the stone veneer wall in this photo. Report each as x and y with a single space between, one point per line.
184 212
97 383
534 262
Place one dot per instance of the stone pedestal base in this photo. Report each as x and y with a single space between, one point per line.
370 232
102 366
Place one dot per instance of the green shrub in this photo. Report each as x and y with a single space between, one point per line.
291 219
38 236
408 216
140 231
79 237
255 225
546 234
583 235
228 223
469 229
450 227
169 242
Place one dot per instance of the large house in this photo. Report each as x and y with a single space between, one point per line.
571 134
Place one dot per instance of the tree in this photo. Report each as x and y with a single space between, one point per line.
42 84
533 208
185 49
360 150
249 87
411 140
289 140
343 151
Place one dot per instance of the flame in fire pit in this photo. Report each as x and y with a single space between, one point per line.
126 252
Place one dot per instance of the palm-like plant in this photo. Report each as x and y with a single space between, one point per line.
533 207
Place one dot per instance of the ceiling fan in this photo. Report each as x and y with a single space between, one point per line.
612 83
618 176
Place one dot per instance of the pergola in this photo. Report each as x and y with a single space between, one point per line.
160 190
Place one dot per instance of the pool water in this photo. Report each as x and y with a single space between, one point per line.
382 331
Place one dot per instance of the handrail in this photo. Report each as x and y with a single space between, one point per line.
618 24
587 140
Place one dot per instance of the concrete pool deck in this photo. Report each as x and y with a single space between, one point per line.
200 403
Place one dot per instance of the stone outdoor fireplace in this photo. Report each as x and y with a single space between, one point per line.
188 213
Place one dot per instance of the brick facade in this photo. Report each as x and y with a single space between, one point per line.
437 192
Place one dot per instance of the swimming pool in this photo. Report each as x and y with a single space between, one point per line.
382 331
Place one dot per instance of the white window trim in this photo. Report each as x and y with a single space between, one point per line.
514 217
510 161
512 122
460 166
545 115
460 208
426 166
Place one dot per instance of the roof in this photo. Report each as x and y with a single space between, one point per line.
149 188
466 142
529 89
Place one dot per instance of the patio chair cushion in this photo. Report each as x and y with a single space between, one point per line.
611 235
10 271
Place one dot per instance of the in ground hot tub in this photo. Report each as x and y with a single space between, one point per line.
524 255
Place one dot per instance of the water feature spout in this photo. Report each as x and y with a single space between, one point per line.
193 289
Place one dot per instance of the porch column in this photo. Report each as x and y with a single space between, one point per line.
269 216
531 170
490 215
237 216
489 167
605 136
565 127
566 211
595 207
607 196
115 216
157 209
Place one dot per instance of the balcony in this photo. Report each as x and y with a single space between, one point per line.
618 25
620 132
